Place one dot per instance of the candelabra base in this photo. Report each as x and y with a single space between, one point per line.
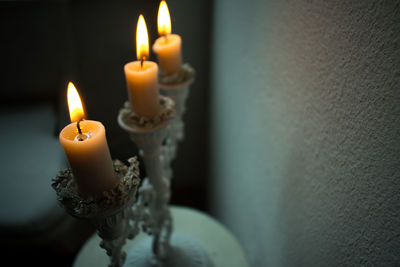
183 252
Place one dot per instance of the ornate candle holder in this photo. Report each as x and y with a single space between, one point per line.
175 86
148 135
115 213
111 213
155 193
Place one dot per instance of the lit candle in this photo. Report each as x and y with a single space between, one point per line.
168 46
85 145
141 77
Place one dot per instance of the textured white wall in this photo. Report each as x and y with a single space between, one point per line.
306 130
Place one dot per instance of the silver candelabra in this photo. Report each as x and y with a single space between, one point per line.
118 214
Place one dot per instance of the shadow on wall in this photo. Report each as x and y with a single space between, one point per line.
306 151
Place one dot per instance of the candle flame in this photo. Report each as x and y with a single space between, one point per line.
74 103
142 39
163 19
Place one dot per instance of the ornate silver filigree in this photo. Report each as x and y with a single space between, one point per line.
166 113
155 220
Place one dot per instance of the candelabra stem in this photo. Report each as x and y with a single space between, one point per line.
158 206
153 168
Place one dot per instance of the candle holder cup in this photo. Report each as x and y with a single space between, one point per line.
111 212
176 86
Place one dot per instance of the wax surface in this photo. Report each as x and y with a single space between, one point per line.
142 83
90 160
168 49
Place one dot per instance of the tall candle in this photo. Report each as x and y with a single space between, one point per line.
141 77
85 145
168 46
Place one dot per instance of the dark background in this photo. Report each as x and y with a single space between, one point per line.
45 44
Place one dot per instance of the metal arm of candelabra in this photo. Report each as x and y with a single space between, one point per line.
176 86
148 135
111 213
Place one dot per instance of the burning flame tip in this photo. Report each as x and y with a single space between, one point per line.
74 103
163 19
142 39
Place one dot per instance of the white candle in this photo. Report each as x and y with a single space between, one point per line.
87 151
141 77
168 46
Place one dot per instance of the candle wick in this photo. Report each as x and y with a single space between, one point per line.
166 37
141 62
79 129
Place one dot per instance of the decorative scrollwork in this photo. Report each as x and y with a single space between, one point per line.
93 206
154 219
